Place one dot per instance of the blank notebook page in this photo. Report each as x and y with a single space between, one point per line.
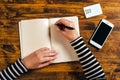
65 51
34 34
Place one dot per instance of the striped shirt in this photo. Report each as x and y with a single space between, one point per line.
13 71
91 67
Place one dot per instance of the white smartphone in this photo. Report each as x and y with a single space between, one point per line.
101 33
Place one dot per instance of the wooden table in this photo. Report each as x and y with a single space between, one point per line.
12 11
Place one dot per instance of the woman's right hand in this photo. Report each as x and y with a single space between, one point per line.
68 34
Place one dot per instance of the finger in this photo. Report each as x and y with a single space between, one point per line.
51 53
58 29
41 50
45 53
44 49
52 61
45 59
62 21
44 64
59 21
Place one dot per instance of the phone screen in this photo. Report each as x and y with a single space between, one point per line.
101 33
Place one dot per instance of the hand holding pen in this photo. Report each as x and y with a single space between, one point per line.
62 26
67 29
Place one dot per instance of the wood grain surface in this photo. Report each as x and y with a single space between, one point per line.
12 11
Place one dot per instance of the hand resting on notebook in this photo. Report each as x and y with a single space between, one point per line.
39 58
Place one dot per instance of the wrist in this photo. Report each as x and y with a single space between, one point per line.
24 63
75 39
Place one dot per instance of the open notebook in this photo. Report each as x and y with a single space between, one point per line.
38 33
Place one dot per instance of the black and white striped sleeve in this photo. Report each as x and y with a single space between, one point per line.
13 71
91 67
